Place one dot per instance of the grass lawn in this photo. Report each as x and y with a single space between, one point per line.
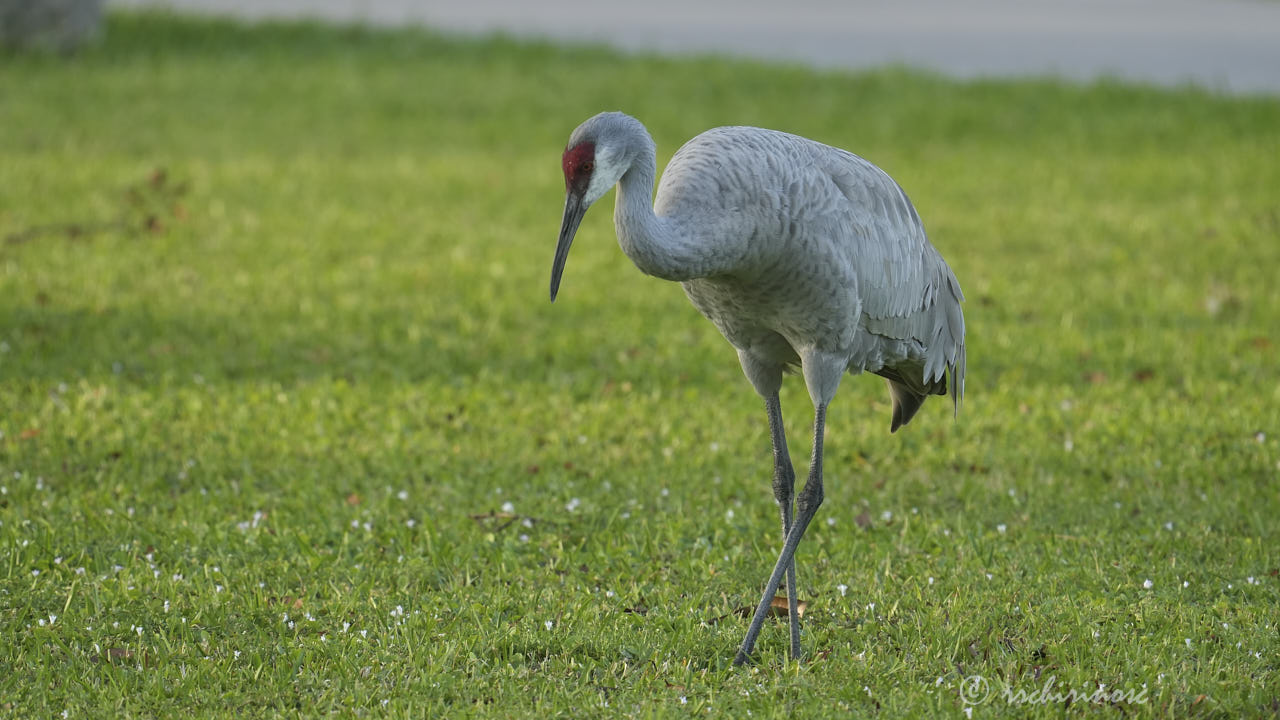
289 428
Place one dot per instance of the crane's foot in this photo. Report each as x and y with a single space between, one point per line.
742 659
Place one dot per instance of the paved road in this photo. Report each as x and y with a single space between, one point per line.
1227 45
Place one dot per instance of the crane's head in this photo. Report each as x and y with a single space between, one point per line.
599 152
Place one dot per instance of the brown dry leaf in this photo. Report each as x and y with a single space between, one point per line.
1143 374
1097 377
29 433
353 499
863 520
777 608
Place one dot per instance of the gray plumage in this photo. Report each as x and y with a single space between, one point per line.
802 254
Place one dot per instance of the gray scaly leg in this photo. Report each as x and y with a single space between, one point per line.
784 481
806 507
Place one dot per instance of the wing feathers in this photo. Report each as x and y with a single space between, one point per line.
907 290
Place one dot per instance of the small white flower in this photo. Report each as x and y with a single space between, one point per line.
683 700
1001 528
410 522
831 522
403 494
842 588
57 560
728 514
1147 584
1187 641
508 507
930 581
886 516
346 626
549 624
573 504
608 593
1168 526
524 537
236 654
665 492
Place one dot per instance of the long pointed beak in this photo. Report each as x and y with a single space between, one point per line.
574 209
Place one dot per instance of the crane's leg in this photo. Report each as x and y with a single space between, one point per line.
807 503
822 374
784 481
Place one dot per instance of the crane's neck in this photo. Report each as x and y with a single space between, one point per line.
659 246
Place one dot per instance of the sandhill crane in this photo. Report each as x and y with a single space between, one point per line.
801 254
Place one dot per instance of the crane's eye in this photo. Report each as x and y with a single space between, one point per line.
588 166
